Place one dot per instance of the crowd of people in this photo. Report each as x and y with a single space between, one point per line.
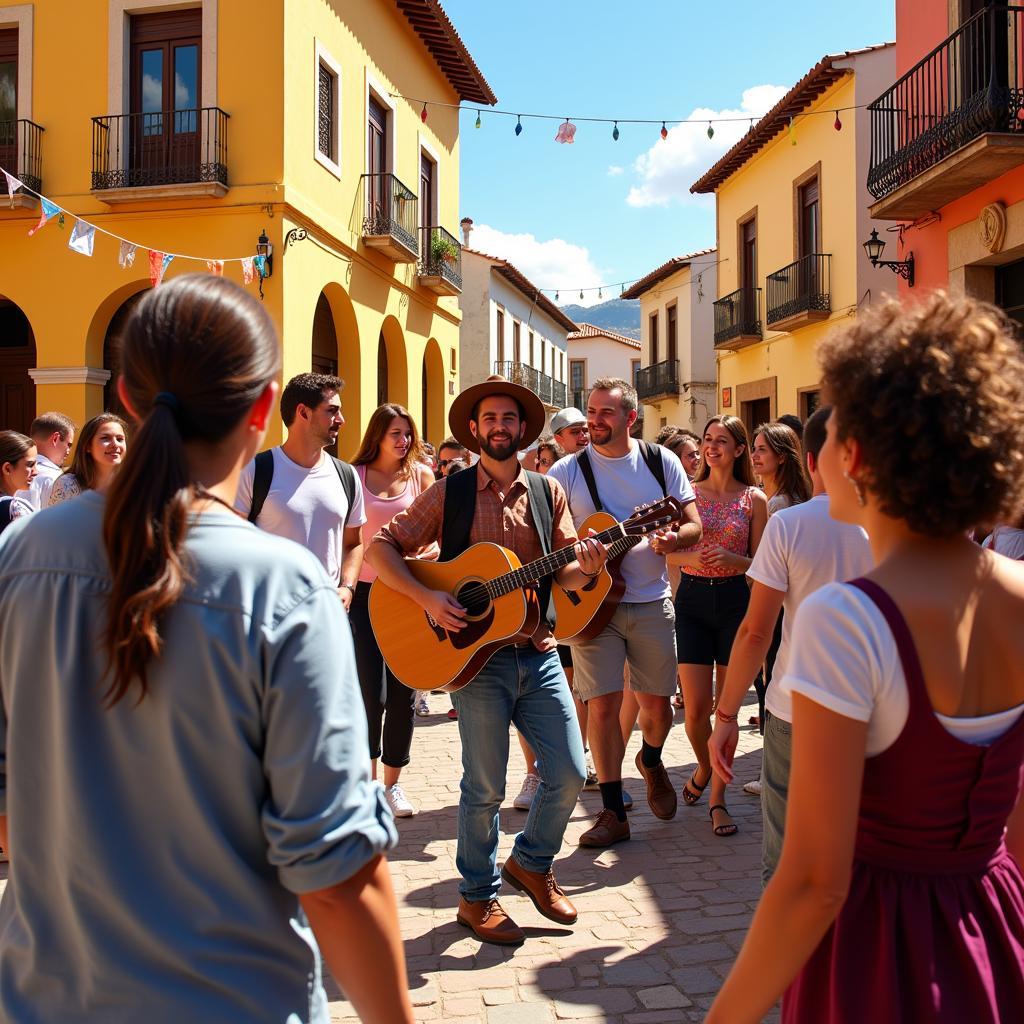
179 684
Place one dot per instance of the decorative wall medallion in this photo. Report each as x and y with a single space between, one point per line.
992 226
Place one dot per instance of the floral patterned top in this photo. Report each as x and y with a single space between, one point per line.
726 524
65 487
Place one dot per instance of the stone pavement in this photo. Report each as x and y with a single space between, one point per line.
661 916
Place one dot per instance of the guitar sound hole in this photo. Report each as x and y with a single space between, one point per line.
472 595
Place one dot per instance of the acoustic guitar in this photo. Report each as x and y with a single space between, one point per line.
499 595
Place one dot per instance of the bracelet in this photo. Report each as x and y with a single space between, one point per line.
349 587
589 575
722 717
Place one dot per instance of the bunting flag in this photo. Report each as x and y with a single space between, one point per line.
215 267
126 256
158 264
260 263
13 184
247 270
83 238
566 132
48 210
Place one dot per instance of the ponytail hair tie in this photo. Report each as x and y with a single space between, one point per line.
168 399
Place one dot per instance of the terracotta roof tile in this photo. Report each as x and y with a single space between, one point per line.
593 331
658 275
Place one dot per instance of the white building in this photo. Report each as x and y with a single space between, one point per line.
596 352
509 327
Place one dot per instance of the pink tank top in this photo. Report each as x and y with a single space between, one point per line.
726 524
380 511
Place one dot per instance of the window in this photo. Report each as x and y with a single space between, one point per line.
543 356
516 354
670 334
810 400
577 374
748 254
810 218
428 191
9 102
561 365
652 335
328 112
501 339
532 363
635 364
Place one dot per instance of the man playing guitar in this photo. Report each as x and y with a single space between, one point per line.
521 683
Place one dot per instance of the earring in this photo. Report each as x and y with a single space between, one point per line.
857 486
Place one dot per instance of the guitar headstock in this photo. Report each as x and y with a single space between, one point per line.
654 516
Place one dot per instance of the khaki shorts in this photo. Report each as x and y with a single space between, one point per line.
640 635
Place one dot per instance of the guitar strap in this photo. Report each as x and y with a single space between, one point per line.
652 459
542 505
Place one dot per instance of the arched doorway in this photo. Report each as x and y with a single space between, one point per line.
382 370
335 350
392 365
17 357
433 427
325 339
112 354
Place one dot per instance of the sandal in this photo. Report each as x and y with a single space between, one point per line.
721 830
688 795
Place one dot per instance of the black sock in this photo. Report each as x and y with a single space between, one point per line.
650 756
611 797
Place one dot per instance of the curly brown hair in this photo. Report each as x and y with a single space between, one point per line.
934 396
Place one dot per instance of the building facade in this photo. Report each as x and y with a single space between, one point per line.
596 352
947 168
194 128
676 379
510 328
791 217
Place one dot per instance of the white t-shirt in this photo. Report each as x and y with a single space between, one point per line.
1007 541
38 493
307 506
845 659
623 484
803 548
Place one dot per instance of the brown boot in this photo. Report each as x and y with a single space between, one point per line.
547 897
661 797
605 831
490 922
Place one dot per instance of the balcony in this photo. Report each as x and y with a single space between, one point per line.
738 319
799 294
390 218
657 381
551 392
440 262
21 155
159 155
953 122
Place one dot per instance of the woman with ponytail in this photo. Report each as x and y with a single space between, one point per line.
195 784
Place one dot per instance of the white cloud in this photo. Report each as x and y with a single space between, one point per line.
668 169
614 171
552 263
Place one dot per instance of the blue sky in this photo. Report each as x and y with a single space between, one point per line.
602 211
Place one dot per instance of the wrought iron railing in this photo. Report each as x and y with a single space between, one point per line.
169 147
21 153
547 389
658 379
802 287
970 84
738 315
440 256
389 210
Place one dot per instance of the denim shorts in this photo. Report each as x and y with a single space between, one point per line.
709 611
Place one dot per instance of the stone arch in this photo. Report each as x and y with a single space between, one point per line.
392 364
433 425
17 357
335 313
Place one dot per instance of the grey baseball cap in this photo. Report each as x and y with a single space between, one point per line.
570 417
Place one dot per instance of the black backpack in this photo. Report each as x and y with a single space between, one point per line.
650 453
6 504
264 476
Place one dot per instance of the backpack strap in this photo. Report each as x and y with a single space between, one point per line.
542 506
459 509
6 508
347 475
583 461
261 481
654 460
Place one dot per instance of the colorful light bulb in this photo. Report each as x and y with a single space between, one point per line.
615 132
519 124
423 114
664 131
711 131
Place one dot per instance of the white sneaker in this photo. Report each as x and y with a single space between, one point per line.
524 800
753 788
399 802
422 707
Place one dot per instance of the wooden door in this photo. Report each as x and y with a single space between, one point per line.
427 198
809 238
8 103
17 357
748 271
377 192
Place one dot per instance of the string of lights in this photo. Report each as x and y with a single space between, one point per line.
611 286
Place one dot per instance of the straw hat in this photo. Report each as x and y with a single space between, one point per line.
462 408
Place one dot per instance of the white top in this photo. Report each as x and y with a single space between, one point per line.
1006 540
845 659
803 548
38 493
623 484
307 506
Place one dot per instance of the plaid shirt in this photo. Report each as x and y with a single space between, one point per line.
500 519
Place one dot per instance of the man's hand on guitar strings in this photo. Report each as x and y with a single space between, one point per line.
444 610
590 554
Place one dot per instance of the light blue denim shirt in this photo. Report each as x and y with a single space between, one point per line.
157 848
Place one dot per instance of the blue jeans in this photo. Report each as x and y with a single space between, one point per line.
776 757
518 685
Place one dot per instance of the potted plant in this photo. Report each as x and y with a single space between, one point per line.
442 248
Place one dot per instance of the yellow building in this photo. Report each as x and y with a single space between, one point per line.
791 217
192 128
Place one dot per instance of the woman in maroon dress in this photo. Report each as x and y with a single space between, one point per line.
899 896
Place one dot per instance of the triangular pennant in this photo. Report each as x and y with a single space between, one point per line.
158 264
247 270
215 267
83 238
48 210
13 184
126 257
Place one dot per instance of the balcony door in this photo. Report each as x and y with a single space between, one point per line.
748 270
427 194
376 166
809 235
9 101
671 343
164 132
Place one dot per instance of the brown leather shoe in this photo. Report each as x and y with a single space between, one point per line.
490 923
547 897
605 831
661 797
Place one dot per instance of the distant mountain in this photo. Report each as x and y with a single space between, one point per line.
621 315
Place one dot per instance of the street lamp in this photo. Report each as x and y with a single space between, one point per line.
874 247
266 250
